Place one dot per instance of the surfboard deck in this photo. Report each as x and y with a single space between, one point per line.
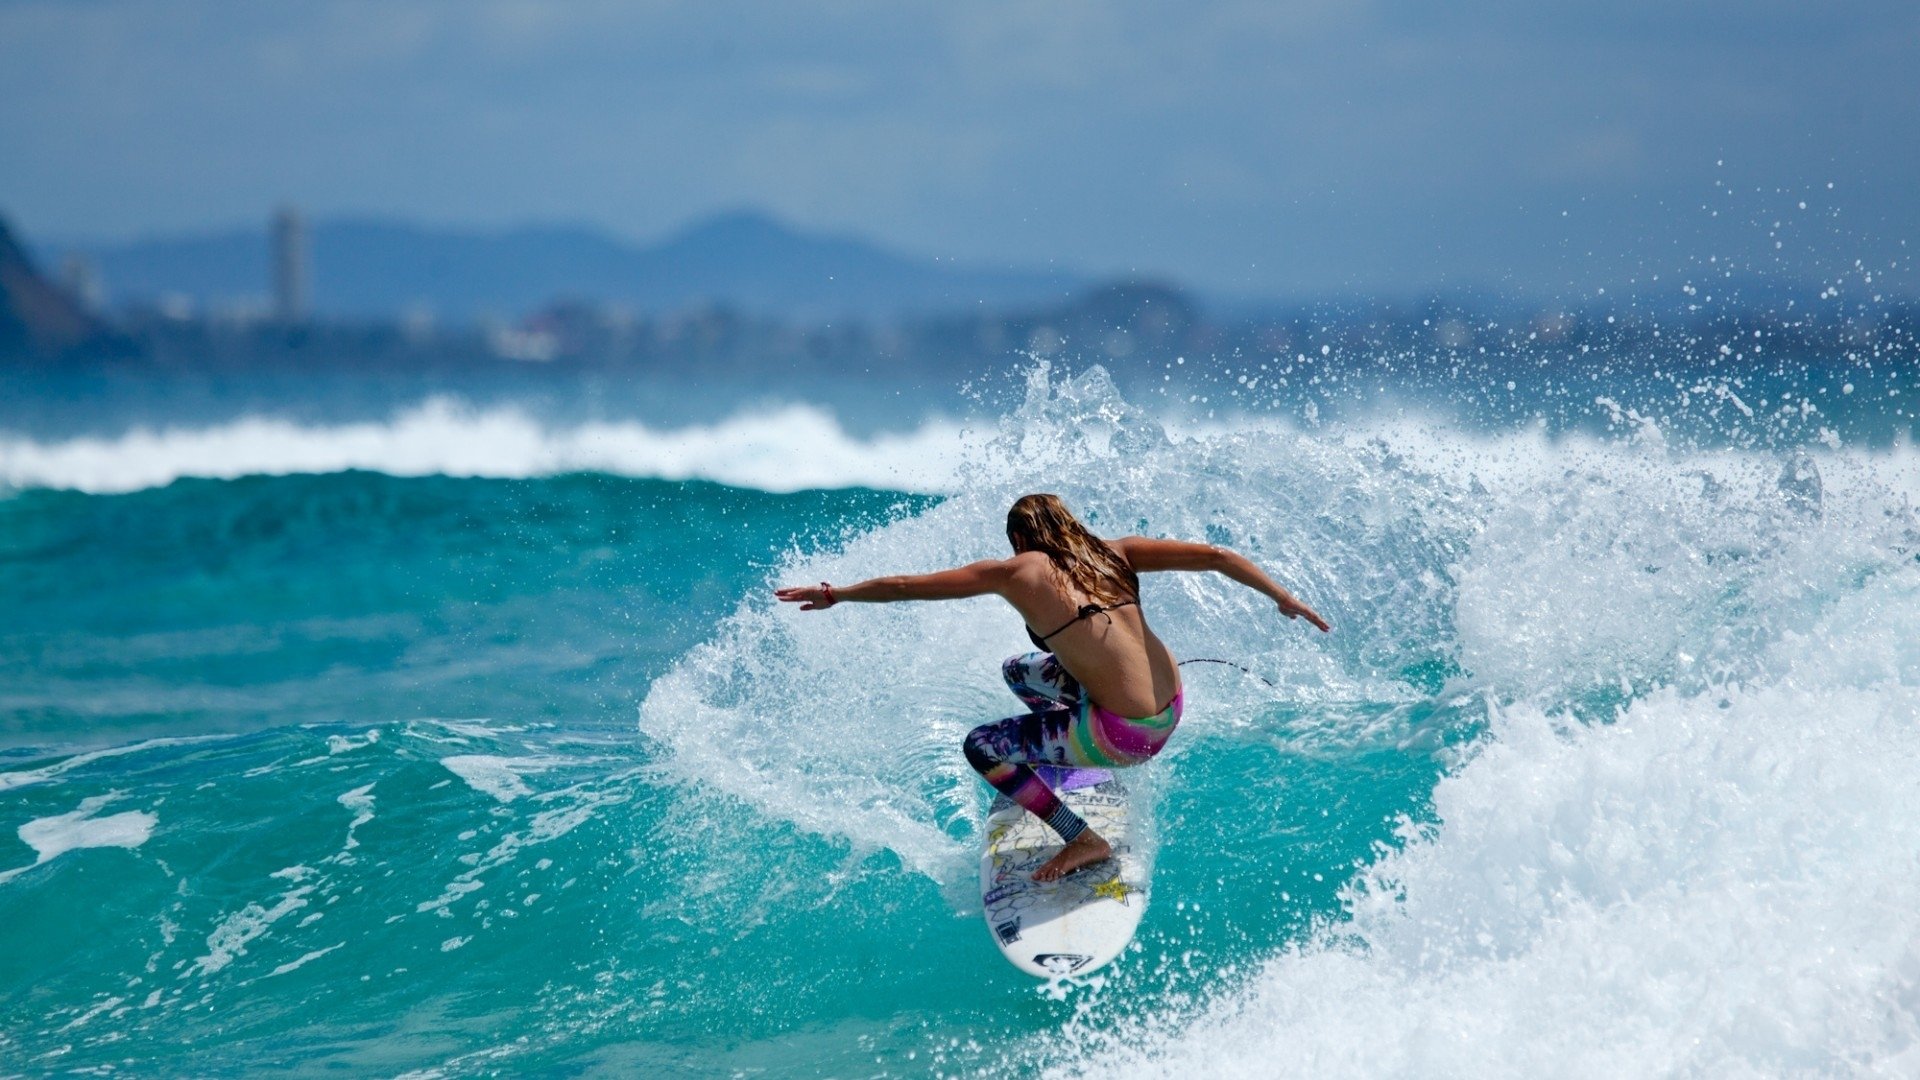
1079 924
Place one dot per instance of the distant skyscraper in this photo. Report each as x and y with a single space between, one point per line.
289 266
82 282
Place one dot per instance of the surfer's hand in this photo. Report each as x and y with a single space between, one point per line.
809 597
1292 608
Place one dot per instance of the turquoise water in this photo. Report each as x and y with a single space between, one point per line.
209 606
457 775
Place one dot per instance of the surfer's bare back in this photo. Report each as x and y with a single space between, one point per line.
1105 692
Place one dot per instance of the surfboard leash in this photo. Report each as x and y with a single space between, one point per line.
1231 664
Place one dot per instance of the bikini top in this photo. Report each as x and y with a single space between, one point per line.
1087 611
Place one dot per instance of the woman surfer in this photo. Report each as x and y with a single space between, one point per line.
1105 692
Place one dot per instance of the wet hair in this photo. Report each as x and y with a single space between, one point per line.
1043 523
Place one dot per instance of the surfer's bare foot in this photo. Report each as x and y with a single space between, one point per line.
1085 850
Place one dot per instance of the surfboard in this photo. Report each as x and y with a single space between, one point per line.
1080 923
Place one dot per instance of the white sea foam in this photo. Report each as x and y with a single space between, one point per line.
1708 887
23 777
780 449
105 1004
51 837
360 801
500 777
303 961
340 744
567 810
229 939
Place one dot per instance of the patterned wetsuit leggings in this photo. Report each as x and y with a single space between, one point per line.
1064 728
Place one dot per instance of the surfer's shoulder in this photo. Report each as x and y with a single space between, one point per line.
1027 567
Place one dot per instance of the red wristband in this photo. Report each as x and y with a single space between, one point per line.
828 590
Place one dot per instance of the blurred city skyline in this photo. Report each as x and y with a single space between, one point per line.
1246 149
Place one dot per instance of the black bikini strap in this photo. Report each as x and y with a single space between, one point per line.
1087 611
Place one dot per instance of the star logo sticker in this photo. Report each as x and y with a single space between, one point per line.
1113 889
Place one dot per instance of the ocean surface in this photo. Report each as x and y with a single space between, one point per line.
457 741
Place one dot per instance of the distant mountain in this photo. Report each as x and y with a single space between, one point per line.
745 260
37 319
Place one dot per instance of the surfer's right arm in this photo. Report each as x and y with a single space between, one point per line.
1146 554
987 577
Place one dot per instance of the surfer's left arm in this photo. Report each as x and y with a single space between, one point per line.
1145 554
987 577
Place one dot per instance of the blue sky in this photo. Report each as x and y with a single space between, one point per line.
1259 148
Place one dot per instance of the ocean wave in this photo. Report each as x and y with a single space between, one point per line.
1718 885
1684 842
781 449
1680 842
1648 710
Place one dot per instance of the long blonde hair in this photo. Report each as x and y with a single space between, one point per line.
1043 523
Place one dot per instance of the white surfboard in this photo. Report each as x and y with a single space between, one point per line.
1080 923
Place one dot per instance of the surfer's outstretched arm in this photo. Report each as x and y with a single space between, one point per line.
1146 554
988 577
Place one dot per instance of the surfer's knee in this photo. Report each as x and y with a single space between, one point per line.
978 748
